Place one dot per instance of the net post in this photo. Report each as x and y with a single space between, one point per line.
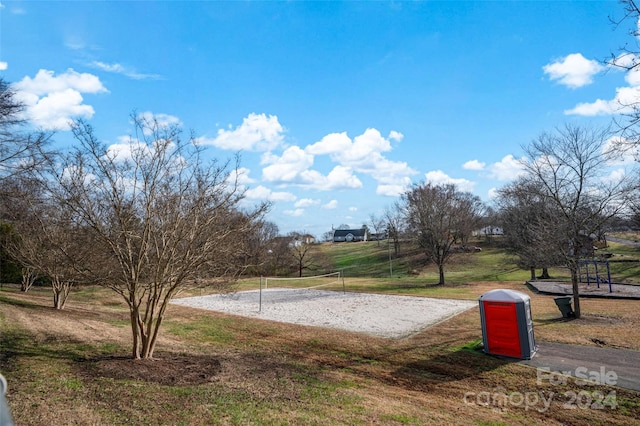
344 289
260 297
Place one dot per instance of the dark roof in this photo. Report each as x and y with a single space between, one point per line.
355 232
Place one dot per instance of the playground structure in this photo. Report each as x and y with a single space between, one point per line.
597 278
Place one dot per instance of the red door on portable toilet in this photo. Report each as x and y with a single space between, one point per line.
507 327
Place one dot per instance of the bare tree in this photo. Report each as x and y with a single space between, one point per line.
300 252
394 223
46 240
29 277
377 226
527 222
438 215
627 58
163 219
570 171
19 150
261 248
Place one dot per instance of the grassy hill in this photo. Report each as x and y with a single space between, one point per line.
375 259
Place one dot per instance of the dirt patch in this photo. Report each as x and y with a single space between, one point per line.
165 369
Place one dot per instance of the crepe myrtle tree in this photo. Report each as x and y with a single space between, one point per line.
438 216
577 173
526 220
45 239
163 218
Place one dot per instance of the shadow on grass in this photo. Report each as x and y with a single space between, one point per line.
21 303
460 364
549 321
15 344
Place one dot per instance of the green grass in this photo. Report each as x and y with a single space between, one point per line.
493 263
364 260
203 329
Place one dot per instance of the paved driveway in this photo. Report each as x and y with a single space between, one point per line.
608 366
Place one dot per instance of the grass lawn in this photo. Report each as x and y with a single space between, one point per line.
72 367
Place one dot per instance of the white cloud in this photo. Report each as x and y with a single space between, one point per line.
121 69
52 102
258 132
293 168
621 151
241 175
294 213
161 121
3 65
339 178
288 167
306 202
493 193
263 193
333 204
438 177
625 98
392 190
121 151
353 209
615 176
628 62
622 103
363 154
333 143
507 169
573 71
46 82
633 77
396 136
474 165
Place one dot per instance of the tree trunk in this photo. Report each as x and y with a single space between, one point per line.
576 292
61 291
545 274
441 271
28 278
145 333
533 273
135 331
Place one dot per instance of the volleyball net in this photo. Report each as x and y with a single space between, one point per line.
287 290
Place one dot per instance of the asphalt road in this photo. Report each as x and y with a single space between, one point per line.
606 366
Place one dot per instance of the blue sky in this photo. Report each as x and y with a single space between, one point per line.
336 108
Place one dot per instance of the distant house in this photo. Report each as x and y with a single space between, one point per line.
349 235
488 230
299 240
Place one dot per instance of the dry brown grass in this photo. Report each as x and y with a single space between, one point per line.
70 367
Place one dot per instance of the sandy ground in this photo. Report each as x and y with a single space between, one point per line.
375 314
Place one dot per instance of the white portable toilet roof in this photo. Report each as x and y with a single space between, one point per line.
504 295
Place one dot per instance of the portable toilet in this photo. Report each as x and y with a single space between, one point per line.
507 326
